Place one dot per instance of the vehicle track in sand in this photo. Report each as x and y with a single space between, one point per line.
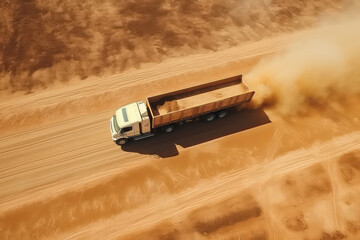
224 187
185 171
68 180
38 145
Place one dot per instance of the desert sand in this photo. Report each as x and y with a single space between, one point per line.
285 167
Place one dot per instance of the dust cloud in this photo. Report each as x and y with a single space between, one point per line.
321 68
45 42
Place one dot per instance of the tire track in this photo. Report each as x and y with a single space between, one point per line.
274 144
336 192
147 216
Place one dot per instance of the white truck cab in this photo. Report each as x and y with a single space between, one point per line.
130 121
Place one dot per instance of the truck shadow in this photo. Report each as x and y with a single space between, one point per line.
164 145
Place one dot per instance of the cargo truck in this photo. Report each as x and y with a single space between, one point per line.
166 112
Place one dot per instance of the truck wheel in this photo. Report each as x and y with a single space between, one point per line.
210 117
181 123
222 113
122 141
168 128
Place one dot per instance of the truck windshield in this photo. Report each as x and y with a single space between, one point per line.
116 126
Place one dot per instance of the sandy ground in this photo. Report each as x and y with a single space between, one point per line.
257 174
264 177
42 43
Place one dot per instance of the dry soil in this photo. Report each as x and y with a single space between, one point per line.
264 172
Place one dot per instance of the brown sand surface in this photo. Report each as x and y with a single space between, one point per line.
46 42
280 169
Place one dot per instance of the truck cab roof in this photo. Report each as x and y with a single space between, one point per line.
128 115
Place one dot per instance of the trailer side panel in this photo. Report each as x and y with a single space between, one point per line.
198 100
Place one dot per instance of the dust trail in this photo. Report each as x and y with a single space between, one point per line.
319 69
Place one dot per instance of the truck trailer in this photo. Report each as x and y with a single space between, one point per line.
166 112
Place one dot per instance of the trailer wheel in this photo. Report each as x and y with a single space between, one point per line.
181 123
168 128
222 113
210 117
122 141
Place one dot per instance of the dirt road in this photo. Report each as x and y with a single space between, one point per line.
264 177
